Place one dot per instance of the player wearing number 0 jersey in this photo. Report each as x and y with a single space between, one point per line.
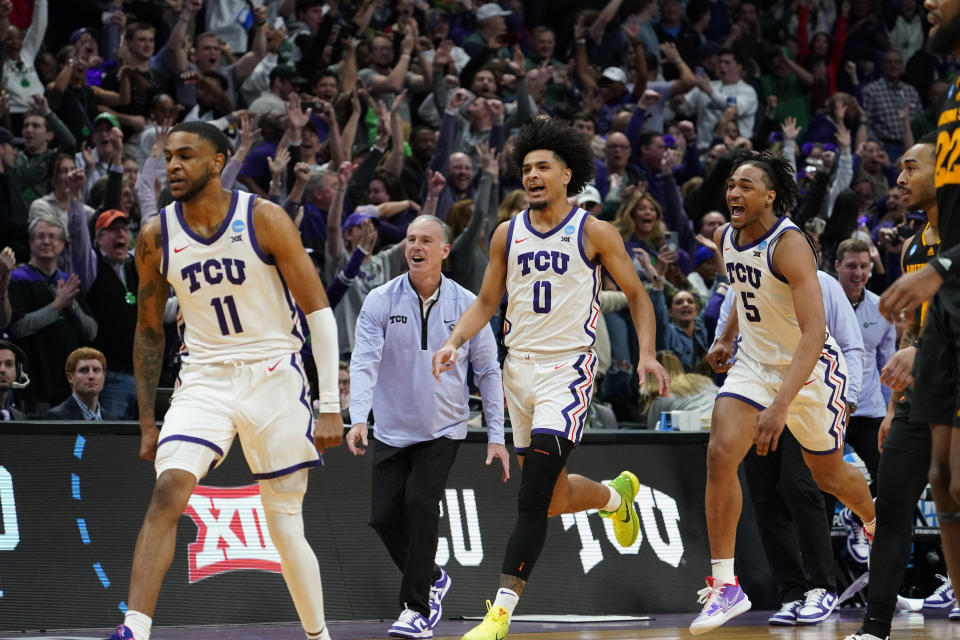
788 370
546 259
229 257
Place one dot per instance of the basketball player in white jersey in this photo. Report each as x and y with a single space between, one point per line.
789 370
548 261
236 265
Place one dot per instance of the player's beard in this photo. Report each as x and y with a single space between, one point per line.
946 38
539 205
195 187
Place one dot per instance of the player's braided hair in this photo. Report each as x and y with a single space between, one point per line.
778 176
564 141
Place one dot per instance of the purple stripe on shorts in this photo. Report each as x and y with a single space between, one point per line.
737 396
303 396
194 440
288 470
570 426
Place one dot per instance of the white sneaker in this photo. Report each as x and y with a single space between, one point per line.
720 603
818 604
786 616
943 597
864 636
411 624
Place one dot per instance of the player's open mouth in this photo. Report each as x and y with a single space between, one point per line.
537 190
737 209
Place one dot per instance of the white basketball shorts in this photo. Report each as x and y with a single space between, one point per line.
548 394
818 414
266 403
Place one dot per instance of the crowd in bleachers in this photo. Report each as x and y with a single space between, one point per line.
357 116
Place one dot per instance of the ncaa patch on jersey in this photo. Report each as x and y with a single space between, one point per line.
569 229
762 245
237 226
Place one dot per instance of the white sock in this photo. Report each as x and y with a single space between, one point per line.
723 570
615 500
139 624
322 635
507 599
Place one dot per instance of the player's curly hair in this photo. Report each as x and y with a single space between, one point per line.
565 142
778 176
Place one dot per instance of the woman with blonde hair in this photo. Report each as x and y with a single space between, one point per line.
515 202
640 221
688 392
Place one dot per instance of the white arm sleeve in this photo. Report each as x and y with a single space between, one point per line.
323 340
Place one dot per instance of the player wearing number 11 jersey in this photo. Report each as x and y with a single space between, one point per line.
547 260
238 268
789 371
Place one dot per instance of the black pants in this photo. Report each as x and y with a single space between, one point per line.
790 516
902 477
407 485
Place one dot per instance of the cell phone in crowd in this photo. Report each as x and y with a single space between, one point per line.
670 240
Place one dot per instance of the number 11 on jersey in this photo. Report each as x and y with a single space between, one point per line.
231 306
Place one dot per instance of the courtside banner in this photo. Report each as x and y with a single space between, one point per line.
71 506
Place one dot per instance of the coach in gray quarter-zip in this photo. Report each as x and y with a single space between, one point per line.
419 421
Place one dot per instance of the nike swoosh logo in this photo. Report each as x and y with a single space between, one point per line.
519 241
559 366
274 366
809 381
627 519
175 250
446 321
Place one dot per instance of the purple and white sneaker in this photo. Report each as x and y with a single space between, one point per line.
122 633
858 540
786 616
943 597
954 614
410 624
721 601
437 593
818 604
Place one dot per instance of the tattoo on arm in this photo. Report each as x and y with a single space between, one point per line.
148 338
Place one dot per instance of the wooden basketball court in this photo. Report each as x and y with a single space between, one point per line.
752 625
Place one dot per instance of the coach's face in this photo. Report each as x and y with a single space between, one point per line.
426 247
191 160
87 378
853 271
748 197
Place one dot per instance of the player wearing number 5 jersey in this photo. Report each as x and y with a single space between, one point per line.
547 260
236 265
789 371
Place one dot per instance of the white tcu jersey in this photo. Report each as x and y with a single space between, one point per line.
769 328
234 304
552 287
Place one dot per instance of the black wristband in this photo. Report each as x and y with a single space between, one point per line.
937 265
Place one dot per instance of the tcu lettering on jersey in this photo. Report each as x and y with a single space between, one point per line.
213 271
232 532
